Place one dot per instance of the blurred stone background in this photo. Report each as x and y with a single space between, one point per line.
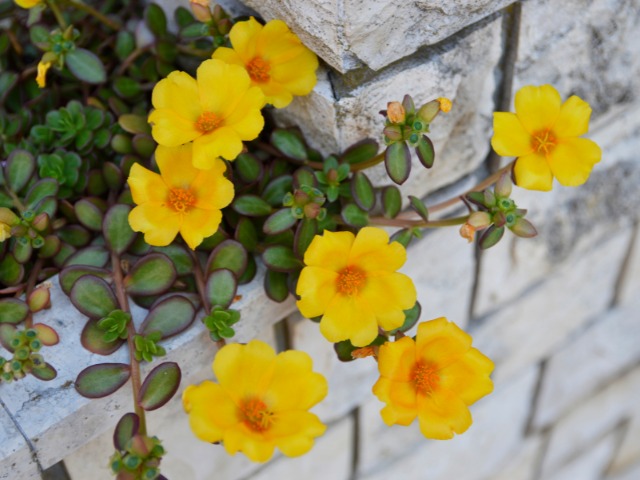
559 314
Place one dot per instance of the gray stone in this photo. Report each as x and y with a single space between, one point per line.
590 463
15 456
352 33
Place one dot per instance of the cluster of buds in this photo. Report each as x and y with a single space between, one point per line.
496 211
25 345
306 202
216 19
115 325
331 176
28 230
58 45
147 346
139 460
219 322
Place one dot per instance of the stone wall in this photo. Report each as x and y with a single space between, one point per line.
558 314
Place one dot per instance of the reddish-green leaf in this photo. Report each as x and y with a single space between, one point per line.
44 373
160 385
397 160
13 310
92 338
101 380
151 275
127 427
221 287
93 297
230 255
116 230
69 275
169 316
47 335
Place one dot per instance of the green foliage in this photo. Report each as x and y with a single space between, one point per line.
147 346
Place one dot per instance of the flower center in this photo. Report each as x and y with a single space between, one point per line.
543 142
425 377
255 415
208 122
181 200
350 280
259 70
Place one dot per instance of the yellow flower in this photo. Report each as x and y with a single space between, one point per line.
218 111
434 378
28 3
7 220
261 402
352 282
181 199
43 68
544 135
275 58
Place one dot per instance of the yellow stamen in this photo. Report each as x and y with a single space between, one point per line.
208 122
255 415
543 142
259 70
445 104
425 377
181 200
350 280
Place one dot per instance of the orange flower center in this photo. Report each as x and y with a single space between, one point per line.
543 142
181 200
255 415
350 280
208 122
259 70
425 377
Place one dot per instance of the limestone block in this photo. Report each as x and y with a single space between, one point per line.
587 48
541 320
628 454
631 284
15 456
522 465
334 117
600 353
491 442
349 383
590 463
632 473
330 457
588 422
569 220
373 33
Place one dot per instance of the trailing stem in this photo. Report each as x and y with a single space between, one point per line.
200 285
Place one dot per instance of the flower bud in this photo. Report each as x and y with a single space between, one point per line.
201 10
393 133
311 210
524 228
428 111
395 112
479 220
503 185
467 231
41 222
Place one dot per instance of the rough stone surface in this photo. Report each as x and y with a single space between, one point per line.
15 456
590 421
355 33
492 440
590 463
628 453
464 74
533 326
585 47
523 464
590 360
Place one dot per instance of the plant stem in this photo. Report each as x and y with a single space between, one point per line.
16 201
31 282
277 153
131 58
200 285
194 52
379 158
121 295
95 13
409 223
57 13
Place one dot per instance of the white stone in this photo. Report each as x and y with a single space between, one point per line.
15 456
330 458
589 361
628 454
632 473
591 462
522 465
494 438
586 423
531 327
465 74
374 33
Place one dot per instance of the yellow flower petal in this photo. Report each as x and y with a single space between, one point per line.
212 189
160 225
199 224
468 378
243 37
171 130
252 445
510 139
175 166
28 3
43 68
442 414
389 292
532 172
441 342
178 93
348 318
246 119
222 142
399 358
400 398
390 320
573 159
371 251
329 250
293 385
146 186
538 108
291 426
221 86
228 55
245 370
316 287
207 423
573 120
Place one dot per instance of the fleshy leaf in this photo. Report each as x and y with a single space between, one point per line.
18 170
69 275
275 286
362 191
169 317
116 229
397 160
279 221
92 339
230 255
391 201
360 152
127 427
93 297
419 207
411 317
47 335
13 310
307 229
251 206
281 258
101 380
88 214
354 216
425 151
289 144
85 66
151 275
44 373
160 385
